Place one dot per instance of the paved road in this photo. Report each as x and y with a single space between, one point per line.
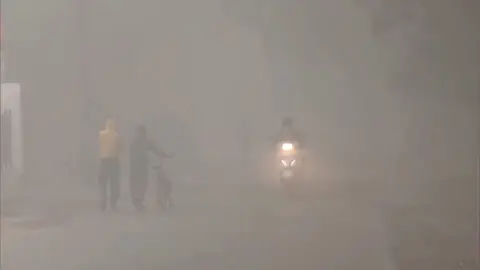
243 228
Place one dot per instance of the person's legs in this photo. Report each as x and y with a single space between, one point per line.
159 189
103 181
143 185
138 187
114 183
163 190
134 187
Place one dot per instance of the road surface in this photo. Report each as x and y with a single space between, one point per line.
216 229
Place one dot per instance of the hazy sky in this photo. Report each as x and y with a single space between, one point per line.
412 89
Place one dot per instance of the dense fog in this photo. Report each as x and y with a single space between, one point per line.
387 92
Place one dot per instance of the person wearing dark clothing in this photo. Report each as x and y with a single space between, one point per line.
164 189
139 166
109 179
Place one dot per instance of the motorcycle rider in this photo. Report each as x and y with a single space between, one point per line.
139 165
288 132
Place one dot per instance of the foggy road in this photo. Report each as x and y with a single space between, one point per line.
235 228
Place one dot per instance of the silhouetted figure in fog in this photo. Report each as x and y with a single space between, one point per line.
109 176
139 166
289 133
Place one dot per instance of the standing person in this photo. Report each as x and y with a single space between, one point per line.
139 165
109 176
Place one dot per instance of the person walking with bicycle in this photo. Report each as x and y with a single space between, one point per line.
140 148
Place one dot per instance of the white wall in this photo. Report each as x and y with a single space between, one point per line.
11 100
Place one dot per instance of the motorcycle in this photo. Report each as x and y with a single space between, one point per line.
290 160
164 189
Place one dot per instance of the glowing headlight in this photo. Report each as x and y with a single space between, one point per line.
287 163
287 146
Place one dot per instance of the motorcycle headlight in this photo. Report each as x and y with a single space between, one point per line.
287 146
